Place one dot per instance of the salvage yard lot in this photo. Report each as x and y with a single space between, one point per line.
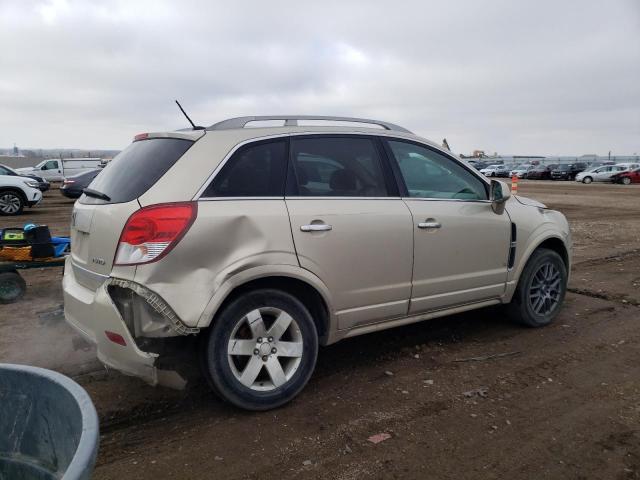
562 402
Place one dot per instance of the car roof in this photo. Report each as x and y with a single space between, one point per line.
240 129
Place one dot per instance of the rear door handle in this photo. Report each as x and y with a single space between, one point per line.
316 227
429 224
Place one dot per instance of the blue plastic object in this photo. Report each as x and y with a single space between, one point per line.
48 426
61 246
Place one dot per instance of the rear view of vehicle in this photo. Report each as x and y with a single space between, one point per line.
111 235
73 186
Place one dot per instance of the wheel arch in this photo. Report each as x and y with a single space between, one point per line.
558 246
551 241
17 190
301 284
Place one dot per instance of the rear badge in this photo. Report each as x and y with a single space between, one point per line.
99 261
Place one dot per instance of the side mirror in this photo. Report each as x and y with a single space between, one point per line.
500 193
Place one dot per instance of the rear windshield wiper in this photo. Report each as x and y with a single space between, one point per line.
94 193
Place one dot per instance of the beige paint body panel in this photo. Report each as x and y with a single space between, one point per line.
264 271
363 267
228 237
463 261
365 259
95 231
535 225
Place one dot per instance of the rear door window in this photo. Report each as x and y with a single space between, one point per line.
136 169
255 170
338 167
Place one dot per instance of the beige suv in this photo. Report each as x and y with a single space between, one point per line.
257 239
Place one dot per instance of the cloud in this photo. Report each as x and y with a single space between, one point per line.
531 77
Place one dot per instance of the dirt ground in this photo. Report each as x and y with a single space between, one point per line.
559 402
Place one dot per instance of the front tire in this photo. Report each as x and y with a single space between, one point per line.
626 181
540 291
11 203
587 180
261 350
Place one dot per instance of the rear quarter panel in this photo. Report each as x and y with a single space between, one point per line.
227 238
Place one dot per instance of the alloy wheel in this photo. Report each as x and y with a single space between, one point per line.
9 203
265 349
626 180
544 293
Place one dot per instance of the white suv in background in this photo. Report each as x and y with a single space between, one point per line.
18 192
255 246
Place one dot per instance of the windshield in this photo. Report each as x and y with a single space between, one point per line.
134 170
4 170
564 167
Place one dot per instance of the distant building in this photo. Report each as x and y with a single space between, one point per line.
15 152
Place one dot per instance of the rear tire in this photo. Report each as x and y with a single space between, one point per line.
540 291
284 360
626 181
587 180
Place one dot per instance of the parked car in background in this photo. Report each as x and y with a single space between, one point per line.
604 173
17 192
540 172
478 165
495 171
627 177
43 185
200 237
628 166
567 171
521 171
73 186
55 169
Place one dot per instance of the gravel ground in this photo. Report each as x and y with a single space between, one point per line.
467 396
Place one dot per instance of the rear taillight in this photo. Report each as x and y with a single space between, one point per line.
151 232
67 182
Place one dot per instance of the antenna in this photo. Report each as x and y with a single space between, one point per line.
185 114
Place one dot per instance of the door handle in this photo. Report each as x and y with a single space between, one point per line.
429 224
316 227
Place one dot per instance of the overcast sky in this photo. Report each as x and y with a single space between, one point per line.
523 77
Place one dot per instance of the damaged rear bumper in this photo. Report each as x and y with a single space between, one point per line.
96 316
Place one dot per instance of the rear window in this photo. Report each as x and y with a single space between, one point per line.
134 170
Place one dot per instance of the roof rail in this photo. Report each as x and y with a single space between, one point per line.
292 121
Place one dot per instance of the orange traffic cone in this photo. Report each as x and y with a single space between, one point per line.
514 184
